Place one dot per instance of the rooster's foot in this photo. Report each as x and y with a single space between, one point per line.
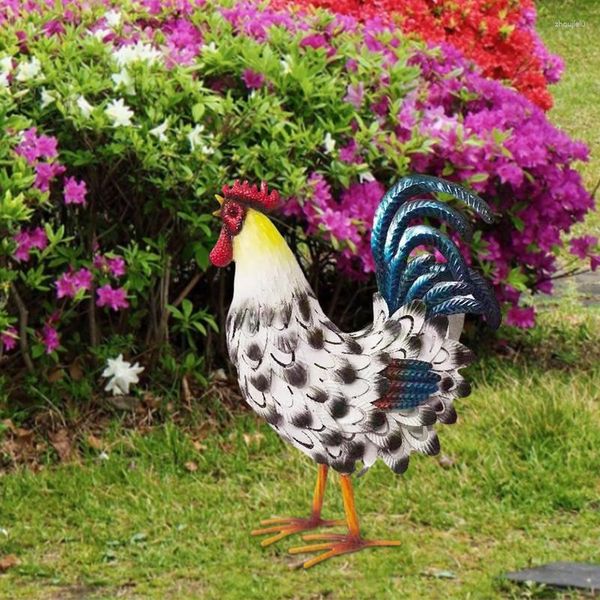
335 545
282 527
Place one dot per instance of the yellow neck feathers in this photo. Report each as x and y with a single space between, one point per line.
264 263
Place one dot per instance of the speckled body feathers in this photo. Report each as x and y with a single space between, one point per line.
344 398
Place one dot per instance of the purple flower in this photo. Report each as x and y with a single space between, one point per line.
74 191
115 298
510 173
583 245
8 339
28 239
50 338
354 95
594 261
351 65
521 317
349 153
45 173
252 79
53 27
315 40
114 266
33 147
68 284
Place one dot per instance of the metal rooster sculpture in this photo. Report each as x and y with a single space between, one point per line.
344 398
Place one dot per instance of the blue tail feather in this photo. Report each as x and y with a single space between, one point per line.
445 288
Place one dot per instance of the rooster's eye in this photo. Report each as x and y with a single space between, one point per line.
233 215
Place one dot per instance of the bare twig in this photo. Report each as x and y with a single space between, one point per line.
23 318
188 288
163 331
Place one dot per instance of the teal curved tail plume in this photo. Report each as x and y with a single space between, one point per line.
446 288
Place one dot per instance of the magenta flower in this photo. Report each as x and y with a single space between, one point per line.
354 95
349 153
45 173
583 245
115 298
8 339
521 317
74 191
53 27
252 79
314 40
114 266
594 261
33 147
28 239
50 338
68 284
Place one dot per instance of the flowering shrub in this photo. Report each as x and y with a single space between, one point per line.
498 35
120 123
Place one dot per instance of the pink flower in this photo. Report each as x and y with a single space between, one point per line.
354 95
521 317
68 284
8 339
50 338
252 79
594 261
26 240
74 191
114 266
33 147
45 172
582 246
53 27
314 40
116 298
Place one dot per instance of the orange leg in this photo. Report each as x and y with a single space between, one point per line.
336 544
282 527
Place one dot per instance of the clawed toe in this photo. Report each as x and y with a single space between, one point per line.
335 545
283 527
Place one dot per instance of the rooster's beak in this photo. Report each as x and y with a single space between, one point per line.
217 213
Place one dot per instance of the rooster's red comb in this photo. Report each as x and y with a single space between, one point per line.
244 192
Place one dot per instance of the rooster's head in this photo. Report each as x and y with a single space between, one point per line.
237 201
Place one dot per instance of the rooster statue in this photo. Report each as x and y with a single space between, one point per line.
348 398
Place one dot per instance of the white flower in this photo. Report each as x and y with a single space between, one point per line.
211 47
329 143
123 78
28 70
47 98
3 80
84 106
206 150
122 374
6 64
140 51
159 131
103 456
4 531
100 34
119 113
194 136
285 65
113 18
366 176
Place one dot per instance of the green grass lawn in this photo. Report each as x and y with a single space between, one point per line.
522 486
570 28
522 490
